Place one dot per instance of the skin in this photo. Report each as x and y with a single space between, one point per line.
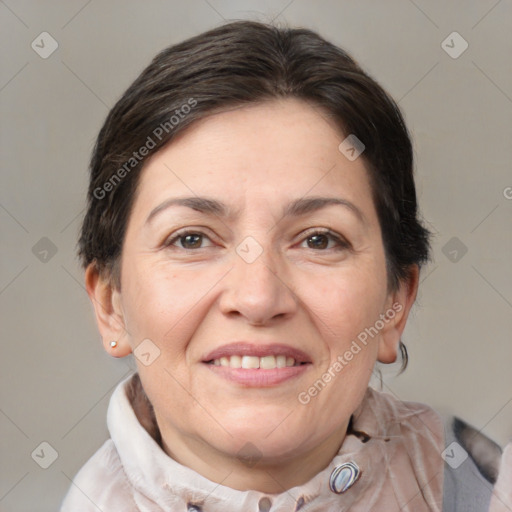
198 294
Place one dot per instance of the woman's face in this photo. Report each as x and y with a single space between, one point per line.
253 240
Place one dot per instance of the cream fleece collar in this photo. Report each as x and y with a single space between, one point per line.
397 450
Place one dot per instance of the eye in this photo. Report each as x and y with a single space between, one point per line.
187 239
320 239
316 240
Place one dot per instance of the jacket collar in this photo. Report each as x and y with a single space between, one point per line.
382 431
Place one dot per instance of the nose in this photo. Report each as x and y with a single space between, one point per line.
255 290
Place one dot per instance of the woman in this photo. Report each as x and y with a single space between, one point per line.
252 237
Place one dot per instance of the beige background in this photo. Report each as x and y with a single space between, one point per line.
55 379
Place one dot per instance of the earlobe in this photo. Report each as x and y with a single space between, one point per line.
116 349
399 307
108 312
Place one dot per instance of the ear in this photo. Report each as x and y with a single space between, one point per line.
399 305
106 300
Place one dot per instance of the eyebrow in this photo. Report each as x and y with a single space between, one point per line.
296 208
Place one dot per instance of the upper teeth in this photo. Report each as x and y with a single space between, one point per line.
266 363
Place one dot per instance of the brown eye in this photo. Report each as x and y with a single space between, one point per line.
188 240
320 240
192 241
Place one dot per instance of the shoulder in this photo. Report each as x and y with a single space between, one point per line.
502 493
485 453
102 483
388 416
471 462
471 467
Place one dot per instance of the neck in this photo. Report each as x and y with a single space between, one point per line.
251 471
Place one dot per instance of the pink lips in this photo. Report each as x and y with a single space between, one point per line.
258 377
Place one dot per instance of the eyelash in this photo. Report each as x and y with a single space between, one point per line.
342 243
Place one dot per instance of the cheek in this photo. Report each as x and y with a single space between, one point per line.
153 302
346 303
350 303
161 303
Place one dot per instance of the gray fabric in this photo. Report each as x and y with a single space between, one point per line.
465 487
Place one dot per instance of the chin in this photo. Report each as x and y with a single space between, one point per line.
262 441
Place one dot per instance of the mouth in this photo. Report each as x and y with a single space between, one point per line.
257 365
254 362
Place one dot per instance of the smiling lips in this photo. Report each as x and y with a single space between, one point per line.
257 365
253 362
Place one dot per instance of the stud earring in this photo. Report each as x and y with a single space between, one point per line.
113 344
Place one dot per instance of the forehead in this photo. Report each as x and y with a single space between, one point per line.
267 153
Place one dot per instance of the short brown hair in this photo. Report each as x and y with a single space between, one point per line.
236 64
